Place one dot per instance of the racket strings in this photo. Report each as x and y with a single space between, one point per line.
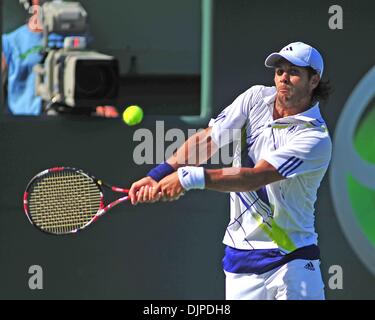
62 202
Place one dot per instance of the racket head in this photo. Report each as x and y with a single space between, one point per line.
63 200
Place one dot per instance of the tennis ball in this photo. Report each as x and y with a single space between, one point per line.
132 115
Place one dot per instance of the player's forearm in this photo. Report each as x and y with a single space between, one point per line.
3 64
237 179
195 151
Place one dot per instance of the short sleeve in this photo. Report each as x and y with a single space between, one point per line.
230 121
308 152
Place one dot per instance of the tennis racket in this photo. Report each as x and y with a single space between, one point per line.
66 200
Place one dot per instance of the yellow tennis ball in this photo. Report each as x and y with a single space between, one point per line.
132 115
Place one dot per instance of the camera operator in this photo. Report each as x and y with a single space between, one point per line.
22 50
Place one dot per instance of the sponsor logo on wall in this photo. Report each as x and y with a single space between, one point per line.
352 175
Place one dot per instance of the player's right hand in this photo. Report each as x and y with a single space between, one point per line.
141 191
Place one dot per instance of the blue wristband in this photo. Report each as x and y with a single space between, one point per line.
159 172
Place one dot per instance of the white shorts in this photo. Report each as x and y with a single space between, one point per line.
296 280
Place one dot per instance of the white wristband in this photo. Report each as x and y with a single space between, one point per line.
191 177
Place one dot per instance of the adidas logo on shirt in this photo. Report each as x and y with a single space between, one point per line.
310 266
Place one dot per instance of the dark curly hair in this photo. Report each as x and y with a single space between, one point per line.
324 89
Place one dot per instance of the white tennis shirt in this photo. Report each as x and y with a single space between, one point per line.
281 215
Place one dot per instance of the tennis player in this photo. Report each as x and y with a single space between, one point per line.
271 243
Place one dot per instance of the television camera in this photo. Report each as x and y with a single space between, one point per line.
70 75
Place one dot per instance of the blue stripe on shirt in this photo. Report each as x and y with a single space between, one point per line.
292 169
285 163
220 117
291 164
262 191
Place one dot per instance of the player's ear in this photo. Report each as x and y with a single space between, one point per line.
315 79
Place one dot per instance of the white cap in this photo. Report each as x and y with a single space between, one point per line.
300 54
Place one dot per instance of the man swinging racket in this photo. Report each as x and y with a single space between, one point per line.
271 244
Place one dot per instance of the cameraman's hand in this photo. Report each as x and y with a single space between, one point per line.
106 112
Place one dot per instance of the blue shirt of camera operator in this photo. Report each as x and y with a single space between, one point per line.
21 52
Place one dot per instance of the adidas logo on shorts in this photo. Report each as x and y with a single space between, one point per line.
310 266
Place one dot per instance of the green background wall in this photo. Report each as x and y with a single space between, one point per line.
174 250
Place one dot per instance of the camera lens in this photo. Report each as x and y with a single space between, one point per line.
95 79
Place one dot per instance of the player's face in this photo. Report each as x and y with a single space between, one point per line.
293 83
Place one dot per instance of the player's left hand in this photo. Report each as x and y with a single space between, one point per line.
170 188
107 112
